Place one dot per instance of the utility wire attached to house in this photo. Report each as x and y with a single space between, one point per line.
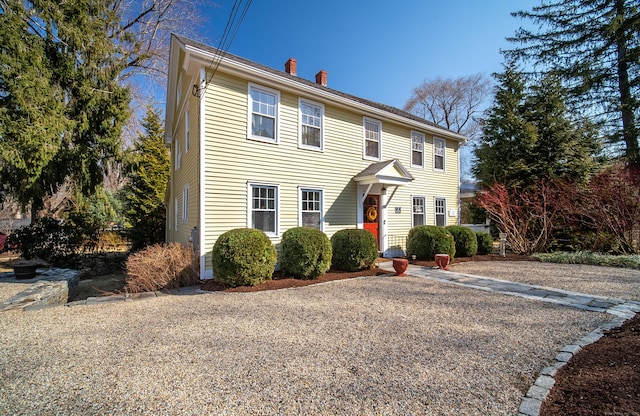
230 31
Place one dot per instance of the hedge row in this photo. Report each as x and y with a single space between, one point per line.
245 256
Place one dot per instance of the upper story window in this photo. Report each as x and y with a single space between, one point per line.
440 208
186 132
311 208
263 113
418 211
372 139
263 208
438 154
178 154
311 133
417 149
185 204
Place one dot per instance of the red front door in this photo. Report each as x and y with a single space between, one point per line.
371 208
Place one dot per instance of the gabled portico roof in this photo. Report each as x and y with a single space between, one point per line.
388 172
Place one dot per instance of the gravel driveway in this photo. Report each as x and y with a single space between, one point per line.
375 346
613 282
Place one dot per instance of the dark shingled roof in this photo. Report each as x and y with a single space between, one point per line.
383 107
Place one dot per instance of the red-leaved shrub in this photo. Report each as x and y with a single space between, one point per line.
161 266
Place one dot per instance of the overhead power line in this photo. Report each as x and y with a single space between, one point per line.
236 16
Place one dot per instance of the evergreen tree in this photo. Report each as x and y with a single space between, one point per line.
529 136
148 171
503 154
62 108
594 45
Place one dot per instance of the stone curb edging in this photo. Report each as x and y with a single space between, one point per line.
623 310
538 392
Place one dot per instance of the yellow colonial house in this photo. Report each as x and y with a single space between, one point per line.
252 146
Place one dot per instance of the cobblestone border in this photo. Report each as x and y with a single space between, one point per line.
538 392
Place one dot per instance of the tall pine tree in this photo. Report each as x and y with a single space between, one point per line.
595 46
148 172
529 136
62 109
508 140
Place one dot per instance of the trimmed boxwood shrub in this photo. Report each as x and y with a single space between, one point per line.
243 257
425 241
306 253
485 242
465 239
353 250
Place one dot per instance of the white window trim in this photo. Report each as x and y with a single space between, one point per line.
175 213
276 128
305 146
186 132
444 156
185 204
312 189
364 139
424 214
178 155
413 132
250 209
435 210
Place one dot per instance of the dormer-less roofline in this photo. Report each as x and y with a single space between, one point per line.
203 55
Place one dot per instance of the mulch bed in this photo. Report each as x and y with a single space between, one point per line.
282 282
488 257
601 379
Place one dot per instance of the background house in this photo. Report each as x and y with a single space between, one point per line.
257 147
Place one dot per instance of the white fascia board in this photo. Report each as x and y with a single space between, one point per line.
171 89
275 81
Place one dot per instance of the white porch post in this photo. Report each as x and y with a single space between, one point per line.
359 203
384 234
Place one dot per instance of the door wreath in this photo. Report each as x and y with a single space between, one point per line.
372 213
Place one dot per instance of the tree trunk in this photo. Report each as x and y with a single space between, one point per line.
629 129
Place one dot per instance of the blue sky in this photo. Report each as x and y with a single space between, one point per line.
374 49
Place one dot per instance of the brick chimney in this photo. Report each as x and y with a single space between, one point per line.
321 78
290 66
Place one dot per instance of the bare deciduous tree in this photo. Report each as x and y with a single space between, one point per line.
451 103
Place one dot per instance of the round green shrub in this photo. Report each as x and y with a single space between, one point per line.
306 253
243 257
485 243
353 250
465 240
425 241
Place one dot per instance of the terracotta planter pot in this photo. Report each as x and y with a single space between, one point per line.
442 260
400 266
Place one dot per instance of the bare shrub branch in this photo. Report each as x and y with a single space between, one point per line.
161 267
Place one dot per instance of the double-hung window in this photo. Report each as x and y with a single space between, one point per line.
311 208
438 154
186 132
263 118
178 154
417 149
372 139
185 204
311 115
263 208
419 211
440 210
175 213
